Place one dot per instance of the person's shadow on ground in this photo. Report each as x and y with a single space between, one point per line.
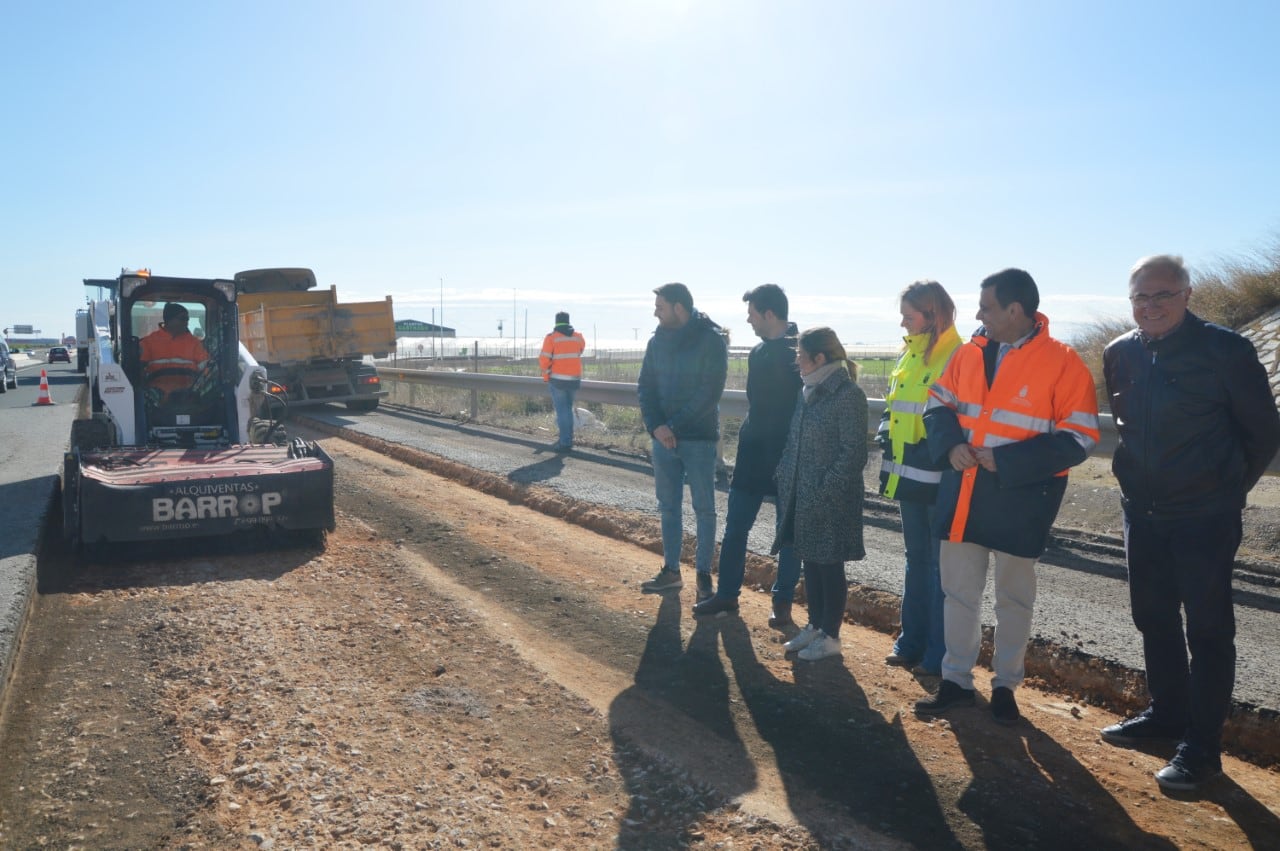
680 700
1045 799
838 758
1260 824
540 471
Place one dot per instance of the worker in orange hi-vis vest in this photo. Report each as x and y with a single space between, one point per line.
561 362
172 356
1011 413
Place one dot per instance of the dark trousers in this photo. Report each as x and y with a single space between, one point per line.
740 516
1176 564
826 589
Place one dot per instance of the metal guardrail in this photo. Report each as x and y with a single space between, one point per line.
733 403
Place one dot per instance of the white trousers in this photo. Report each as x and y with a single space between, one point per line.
964 577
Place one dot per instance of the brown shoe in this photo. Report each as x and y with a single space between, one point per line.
781 617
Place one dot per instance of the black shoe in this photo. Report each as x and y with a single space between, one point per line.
705 588
666 580
780 618
1188 770
949 696
1003 707
900 661
715 606
1139 729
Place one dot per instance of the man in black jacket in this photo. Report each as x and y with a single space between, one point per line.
1198 426
772 387
681 382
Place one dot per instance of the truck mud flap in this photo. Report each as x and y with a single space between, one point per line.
136 494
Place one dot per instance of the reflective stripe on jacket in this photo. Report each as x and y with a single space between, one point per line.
907 471
562 355
1040 416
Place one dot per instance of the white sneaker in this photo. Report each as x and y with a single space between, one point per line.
820 648
801 641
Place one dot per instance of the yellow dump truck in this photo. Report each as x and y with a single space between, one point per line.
312 345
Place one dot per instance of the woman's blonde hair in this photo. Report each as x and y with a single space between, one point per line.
823 341
934 304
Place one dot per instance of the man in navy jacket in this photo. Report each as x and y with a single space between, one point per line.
773 384
681 382
1198 426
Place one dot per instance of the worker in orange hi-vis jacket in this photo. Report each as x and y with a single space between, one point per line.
172 356
561 362
1011 413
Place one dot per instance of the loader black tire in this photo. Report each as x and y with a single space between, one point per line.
71 497
89 434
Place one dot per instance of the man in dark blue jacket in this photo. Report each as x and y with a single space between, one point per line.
681 381
1198 426
773 384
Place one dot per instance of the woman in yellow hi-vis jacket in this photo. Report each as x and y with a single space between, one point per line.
908 474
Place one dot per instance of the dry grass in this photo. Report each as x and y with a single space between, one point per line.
1236 292
1233 292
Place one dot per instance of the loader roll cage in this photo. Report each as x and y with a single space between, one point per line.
199 409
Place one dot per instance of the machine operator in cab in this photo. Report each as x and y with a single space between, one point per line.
172 357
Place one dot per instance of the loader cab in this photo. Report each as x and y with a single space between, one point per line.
179 351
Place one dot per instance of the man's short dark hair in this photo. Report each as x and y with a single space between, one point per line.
173 310
676 293
562 318
1015 285
767 297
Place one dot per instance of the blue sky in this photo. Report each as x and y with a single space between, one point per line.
515 158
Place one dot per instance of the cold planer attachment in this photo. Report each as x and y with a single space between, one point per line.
145 494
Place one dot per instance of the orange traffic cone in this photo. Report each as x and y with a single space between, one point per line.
44 390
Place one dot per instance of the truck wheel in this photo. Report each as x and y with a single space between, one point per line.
362 405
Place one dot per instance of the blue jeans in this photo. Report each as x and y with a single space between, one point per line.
744 505
922 635
1177 563
693 461
562 393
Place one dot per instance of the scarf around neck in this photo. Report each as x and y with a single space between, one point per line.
818 376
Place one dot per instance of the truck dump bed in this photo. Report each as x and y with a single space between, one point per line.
298 326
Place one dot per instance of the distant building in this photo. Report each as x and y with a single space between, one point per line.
414 328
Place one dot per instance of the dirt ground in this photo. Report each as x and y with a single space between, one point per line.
456 670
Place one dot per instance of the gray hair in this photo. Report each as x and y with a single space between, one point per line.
1170 265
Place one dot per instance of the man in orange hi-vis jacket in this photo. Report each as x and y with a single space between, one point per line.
1012 412
172 356
561 362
